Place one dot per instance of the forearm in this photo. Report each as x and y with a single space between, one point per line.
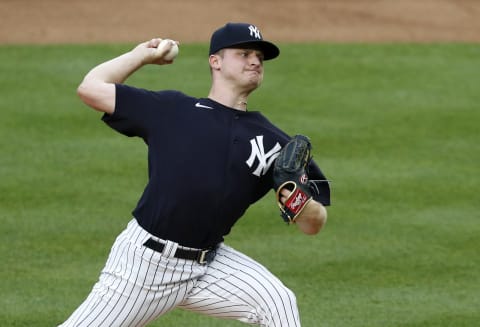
312 218
97 89
116 70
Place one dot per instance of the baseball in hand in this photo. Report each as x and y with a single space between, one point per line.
172 53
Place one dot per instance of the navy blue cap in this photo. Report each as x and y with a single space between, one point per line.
242 35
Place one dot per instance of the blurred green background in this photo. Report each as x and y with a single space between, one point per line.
395 127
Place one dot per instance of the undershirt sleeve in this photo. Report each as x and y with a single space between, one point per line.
321 186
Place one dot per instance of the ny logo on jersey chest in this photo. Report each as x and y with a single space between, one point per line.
264 159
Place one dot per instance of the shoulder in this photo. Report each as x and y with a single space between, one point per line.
173 94
150 100
124 90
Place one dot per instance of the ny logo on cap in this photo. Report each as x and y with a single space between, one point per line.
255 32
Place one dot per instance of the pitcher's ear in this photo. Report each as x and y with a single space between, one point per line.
214 61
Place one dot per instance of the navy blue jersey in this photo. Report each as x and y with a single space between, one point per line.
207 163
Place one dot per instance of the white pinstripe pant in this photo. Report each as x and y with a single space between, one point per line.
138 285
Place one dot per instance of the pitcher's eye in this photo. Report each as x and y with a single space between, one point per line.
260 56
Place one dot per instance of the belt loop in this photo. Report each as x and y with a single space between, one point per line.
169 249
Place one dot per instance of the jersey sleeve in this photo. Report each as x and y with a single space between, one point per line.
138 110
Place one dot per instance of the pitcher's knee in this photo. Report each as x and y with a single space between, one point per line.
282 310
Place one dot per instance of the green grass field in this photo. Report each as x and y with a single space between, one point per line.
395 127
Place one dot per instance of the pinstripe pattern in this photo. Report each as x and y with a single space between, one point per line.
137 285
237 287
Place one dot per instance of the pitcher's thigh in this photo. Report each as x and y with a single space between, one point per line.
136 286
237 287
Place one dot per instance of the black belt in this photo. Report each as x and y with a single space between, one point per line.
200 256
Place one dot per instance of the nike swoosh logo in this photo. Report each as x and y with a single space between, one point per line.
199 105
